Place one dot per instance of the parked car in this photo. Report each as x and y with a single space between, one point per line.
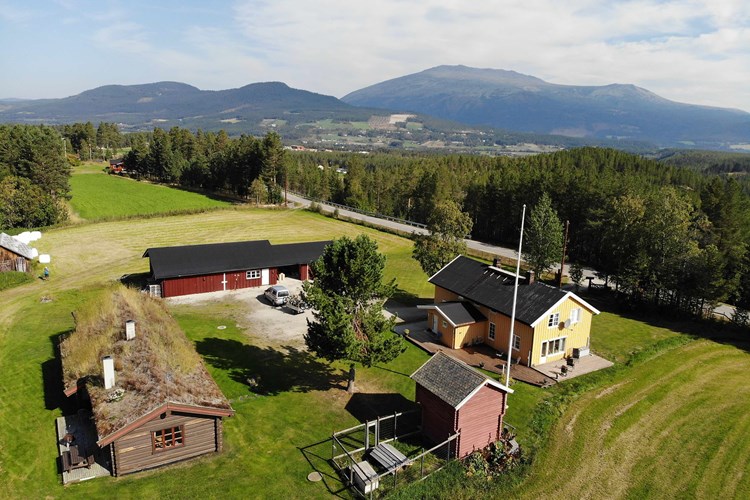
277 295
296 304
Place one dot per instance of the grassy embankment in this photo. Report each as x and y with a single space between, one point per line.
672 426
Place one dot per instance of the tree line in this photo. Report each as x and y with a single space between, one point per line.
34 177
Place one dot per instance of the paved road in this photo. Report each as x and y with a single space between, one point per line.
724 310
508 253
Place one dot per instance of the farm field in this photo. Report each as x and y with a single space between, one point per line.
97 197
673 426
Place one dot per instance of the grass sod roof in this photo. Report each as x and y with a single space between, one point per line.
159 366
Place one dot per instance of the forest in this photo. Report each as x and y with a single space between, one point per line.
669 236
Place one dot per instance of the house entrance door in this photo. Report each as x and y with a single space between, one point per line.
434 323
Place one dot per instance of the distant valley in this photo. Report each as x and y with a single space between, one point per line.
452 108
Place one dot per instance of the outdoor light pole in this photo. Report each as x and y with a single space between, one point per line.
515 297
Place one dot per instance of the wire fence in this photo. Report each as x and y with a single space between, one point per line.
354 454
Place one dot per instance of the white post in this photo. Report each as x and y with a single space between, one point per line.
108 365
515 297
129 329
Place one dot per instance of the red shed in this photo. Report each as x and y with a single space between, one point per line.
185 270
457 398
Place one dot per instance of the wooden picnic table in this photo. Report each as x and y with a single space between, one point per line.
388 457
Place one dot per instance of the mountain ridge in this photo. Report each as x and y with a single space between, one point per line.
514 101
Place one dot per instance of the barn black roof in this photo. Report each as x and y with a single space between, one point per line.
197 260
490 287
451 380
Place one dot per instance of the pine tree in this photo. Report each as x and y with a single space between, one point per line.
347 296
448 226
542 246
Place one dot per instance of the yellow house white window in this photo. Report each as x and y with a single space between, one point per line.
554 346
554 320
575 315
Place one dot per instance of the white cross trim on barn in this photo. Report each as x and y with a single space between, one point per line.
224 281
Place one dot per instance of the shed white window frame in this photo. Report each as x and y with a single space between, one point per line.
554 320
491 332
252 274
516 342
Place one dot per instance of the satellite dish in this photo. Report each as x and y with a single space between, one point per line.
567 323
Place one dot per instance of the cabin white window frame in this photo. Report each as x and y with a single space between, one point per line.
491 332
516 342
252 274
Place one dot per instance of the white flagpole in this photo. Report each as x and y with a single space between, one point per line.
515 297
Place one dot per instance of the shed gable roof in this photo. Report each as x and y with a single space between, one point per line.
492 288
15 246
196 260
457 313
452 380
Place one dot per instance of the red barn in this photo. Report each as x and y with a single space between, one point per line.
185 270
457 398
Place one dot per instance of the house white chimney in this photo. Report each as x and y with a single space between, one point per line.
108 366
129 329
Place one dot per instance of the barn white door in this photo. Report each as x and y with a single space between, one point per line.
265 277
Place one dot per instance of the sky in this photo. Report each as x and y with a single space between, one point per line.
688 51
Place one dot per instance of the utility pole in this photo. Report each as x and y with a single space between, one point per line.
565 249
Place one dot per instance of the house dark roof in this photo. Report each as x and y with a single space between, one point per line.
460 313
196 260
451 380
491 288
15 246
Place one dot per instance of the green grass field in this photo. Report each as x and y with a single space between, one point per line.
97 197
673 426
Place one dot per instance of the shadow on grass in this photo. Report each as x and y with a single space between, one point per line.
269 371
409 299
366 407
52 381
135 280
316 454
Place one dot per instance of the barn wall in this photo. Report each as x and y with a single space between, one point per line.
480 420
133 452
10 261
189 285
438 417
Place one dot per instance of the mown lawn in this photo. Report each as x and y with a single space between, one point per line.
97 197
673 426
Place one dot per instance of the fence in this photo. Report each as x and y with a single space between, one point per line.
351 449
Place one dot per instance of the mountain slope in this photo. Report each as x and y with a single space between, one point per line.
510 100
140 106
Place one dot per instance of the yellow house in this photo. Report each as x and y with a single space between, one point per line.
473 305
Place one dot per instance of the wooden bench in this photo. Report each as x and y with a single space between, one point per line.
388 457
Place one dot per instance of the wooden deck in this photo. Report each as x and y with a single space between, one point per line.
82 429
479 356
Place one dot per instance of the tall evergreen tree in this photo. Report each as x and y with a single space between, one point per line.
447 226
542 245
347 296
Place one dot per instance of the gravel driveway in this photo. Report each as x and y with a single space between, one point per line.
269 325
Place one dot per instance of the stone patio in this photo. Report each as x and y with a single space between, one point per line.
82 429
584 365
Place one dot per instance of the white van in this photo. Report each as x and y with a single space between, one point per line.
277 295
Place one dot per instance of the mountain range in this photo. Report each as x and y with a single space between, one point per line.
510 100
443 100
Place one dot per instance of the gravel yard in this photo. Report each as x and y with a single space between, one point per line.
265 324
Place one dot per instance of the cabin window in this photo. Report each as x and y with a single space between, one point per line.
253 275
516 343
491 335
554 320
575 315
164 439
